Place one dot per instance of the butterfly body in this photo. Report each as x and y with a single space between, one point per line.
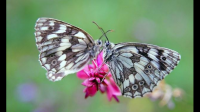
135 67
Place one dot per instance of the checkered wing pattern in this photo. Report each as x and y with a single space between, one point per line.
64 48
137 68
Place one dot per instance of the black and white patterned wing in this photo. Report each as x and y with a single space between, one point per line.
64 48
137 68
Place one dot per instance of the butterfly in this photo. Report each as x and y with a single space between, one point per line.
136 68
64 48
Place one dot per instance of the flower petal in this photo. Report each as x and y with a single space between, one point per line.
112 89
116 98
90 91
92 78
98 80
115 88
88 83
83 74
99 60
105 68
94 62
109 92
102 88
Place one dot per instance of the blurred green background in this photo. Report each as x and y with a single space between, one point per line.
166 23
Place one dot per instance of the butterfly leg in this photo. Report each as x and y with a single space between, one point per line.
104 77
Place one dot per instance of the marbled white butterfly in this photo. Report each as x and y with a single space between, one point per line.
136 67
64 48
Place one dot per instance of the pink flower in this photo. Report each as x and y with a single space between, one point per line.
93 74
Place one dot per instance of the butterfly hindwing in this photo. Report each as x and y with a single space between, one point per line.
137 68
63 48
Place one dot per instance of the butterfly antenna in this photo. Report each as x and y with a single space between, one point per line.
104 33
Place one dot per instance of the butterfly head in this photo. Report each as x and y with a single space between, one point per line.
97 48
107 50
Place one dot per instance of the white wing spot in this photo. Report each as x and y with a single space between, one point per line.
59 31
43 60
138 66
65 40
128 94
137 94
44 28
126 61
45 48
155 64
54 70
127 54
41 20
39 24
131 78
152 86
78 47
126 83
59 53
51 23
38 33
81 41
79 58
153 57
63 27
58 78
132 49
47 66
80 34
138 77
38 39
51 36
62 64
153 52
53 77
63 57
65 44
63 47
145 90
69 65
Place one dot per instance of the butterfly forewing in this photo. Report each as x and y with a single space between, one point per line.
137 68
63 48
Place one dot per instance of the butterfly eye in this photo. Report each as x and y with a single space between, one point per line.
99 42
107 44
